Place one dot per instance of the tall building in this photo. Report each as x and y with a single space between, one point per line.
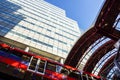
37 26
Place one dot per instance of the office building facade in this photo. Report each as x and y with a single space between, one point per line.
37 26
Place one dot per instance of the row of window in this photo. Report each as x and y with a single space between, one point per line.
55 19
43 34
36 6
42 22
54 14
45 18
16 20
31 34
29 38
34 31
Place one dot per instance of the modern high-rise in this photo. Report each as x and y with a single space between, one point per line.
37 26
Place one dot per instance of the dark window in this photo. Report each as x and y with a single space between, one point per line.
89 77
26 58
41 66
51 66
64 71
84 76
33 63
75 75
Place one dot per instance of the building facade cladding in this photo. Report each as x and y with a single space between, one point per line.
38 24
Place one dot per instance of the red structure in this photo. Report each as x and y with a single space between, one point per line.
105 26
17 64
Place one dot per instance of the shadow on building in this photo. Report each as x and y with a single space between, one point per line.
9 17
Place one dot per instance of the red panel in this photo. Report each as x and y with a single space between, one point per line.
13 63
4 45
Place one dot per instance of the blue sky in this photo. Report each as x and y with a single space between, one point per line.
83 11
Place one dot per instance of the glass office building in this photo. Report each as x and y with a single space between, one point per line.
37 26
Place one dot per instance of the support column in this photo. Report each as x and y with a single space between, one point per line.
61 60
27 49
